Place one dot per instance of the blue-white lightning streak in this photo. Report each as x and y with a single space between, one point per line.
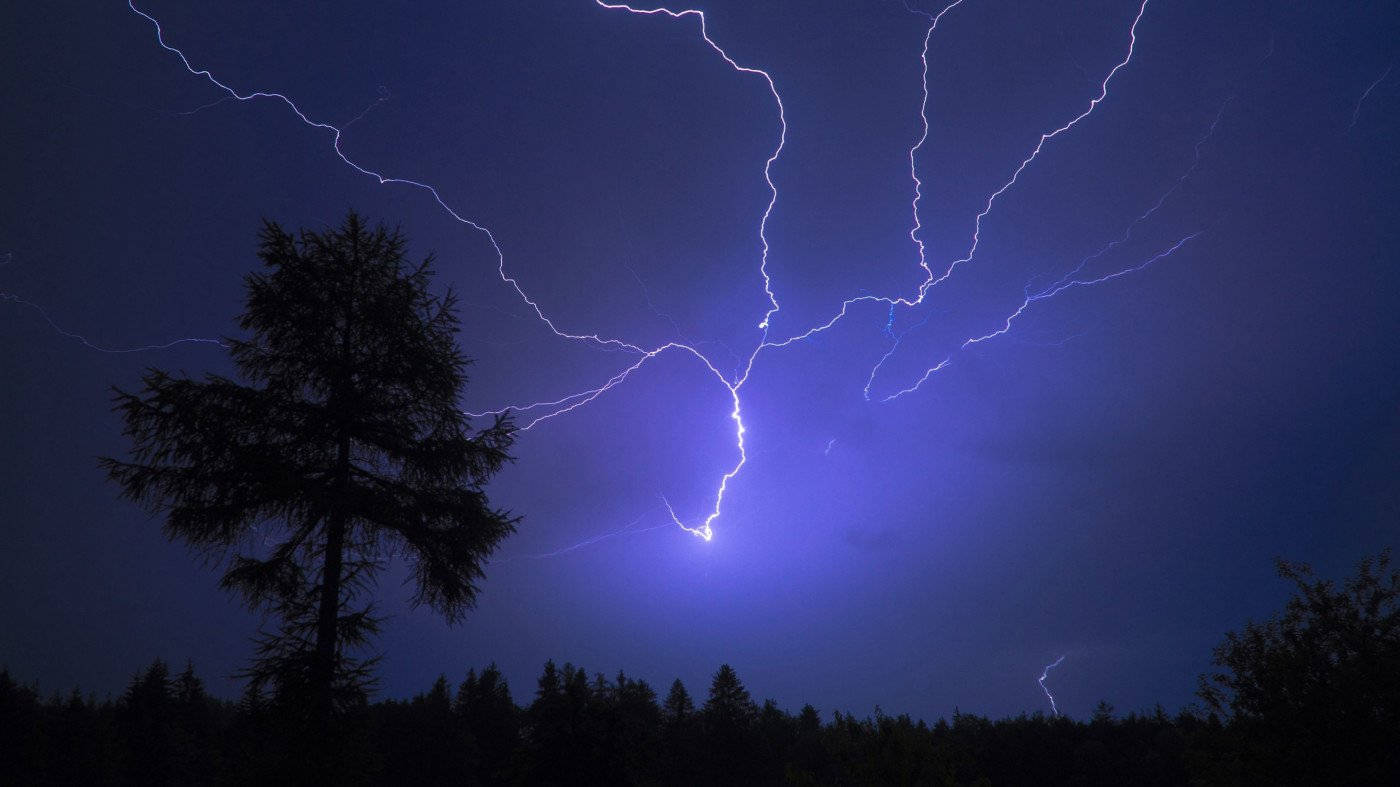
1025 304
916 229
384 180
931 280
1069 280
894 345
1039 146
767 165
1045 673
542 411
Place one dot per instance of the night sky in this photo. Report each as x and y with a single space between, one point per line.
1108 481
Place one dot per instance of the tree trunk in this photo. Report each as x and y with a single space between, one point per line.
328 618
327 623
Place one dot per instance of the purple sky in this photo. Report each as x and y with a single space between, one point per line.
1108 480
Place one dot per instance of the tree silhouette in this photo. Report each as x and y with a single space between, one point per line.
678 707
1314 693
342 444
681 734
728 718
490 723
729 706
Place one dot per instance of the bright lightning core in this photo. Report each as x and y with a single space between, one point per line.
536 413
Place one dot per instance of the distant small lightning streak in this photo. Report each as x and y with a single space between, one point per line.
5 296
1356 113
1045 673
829 443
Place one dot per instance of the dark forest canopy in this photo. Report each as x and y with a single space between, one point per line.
584 729
1286 705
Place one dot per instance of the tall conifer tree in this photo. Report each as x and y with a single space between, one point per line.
342 443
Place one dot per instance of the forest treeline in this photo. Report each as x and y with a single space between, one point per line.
581 729
577 729
1310 696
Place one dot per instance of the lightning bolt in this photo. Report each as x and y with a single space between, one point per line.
767 165
1045 673
540 412
931 280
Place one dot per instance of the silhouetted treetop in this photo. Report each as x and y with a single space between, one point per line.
342 443
729 704
679 707
1320 682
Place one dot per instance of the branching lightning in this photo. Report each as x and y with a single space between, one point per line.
1070 280
932 281
539 412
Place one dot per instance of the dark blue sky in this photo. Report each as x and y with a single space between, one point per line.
1108 481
